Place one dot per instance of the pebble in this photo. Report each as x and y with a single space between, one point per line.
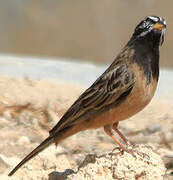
60 175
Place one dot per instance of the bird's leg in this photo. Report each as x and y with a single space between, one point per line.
131 151
115 128
108 130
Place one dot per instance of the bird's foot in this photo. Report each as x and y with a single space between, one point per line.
133 150
130 148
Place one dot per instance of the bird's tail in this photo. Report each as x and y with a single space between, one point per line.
37 150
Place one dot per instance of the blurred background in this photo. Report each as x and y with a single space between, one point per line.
89 30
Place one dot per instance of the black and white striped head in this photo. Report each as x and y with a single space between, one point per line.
152 25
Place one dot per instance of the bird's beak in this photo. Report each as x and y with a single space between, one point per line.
159 26
162 28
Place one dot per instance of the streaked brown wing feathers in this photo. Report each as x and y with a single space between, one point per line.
104 91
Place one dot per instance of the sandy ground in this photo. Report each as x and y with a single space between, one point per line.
29 108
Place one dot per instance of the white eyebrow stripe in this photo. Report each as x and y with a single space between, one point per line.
154 18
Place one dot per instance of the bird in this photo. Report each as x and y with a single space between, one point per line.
124 89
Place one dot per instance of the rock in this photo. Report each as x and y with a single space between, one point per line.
60 175
141 164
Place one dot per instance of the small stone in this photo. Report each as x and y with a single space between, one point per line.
60 175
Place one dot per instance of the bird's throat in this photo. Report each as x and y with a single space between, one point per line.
146 55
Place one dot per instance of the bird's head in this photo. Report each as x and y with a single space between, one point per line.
152 28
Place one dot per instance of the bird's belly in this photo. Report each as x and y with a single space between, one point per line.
139 97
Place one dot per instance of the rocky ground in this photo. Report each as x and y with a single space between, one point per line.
29 108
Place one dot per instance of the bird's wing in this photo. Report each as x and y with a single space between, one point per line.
109 89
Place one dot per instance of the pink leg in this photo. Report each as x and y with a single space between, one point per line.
115 128
108 130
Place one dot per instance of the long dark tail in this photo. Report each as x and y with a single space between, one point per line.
37 150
